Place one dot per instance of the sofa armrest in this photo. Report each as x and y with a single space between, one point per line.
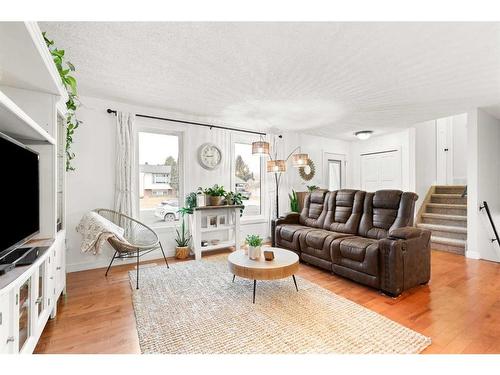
405 233
289 218
405 260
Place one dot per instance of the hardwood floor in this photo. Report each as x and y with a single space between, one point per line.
459 309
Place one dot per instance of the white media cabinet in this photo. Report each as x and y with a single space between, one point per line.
28 297
32 111
227 233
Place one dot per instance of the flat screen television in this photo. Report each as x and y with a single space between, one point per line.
19 194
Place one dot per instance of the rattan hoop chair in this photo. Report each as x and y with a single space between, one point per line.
140 238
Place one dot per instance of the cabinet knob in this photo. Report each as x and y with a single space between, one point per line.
39 300
58 268
51 277
10 339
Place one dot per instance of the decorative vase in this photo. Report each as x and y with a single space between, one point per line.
214 201
200 200
182 252
254 252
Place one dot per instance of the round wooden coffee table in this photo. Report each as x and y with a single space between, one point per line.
284 264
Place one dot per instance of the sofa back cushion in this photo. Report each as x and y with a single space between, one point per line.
344 209
314 211
385 210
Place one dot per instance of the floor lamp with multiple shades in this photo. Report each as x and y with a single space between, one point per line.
278 166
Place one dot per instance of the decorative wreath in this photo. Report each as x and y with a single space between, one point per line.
312 171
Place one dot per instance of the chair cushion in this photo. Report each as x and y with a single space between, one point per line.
287 231
287 236
314 211
358 253
385 210
317 242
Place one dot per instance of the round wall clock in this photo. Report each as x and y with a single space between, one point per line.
209 156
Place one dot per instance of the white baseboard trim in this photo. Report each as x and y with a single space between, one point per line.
472 254
75 267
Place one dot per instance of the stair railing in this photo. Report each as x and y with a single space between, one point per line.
487 209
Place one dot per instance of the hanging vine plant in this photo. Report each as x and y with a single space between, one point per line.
66 69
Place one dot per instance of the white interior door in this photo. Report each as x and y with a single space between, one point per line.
444 152
334 171
381 170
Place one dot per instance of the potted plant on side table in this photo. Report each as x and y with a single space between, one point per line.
183 237
233 198
254 243
215 195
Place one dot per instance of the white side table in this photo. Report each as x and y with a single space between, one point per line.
201 228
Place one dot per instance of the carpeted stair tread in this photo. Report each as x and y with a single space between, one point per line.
448 241
447 205
444 217
442 228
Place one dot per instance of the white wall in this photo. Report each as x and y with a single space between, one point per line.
459 124
91 185
425 156
483 176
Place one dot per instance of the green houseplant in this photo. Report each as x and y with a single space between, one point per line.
312 188
66 69
183 237
254 243
233 198
215 195
294 201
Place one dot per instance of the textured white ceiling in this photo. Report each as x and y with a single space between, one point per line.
328 79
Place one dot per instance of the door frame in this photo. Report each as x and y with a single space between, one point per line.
343 168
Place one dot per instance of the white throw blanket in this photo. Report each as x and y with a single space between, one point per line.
96 230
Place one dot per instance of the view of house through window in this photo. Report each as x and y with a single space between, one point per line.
247 178
158 178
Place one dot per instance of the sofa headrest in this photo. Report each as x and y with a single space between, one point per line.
318 196
387 199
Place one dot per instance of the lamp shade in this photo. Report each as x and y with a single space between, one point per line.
260 148
300 160
276 166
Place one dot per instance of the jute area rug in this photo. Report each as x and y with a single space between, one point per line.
194 307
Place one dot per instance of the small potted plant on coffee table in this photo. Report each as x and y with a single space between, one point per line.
254 243
215 195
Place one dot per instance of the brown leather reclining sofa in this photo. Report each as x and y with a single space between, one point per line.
366 237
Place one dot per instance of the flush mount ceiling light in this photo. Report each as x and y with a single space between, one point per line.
364 134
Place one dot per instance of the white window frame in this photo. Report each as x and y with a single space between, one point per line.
180 164
248 139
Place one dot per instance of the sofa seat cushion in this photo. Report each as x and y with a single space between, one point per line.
317 242
357 253
287 231
287 235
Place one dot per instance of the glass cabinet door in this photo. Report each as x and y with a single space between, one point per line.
24 313
40 298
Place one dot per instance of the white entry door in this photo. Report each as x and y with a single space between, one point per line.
444 152
334 171
381 170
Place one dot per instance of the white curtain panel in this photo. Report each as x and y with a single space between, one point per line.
125 163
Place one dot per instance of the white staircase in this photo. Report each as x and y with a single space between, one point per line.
444 213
